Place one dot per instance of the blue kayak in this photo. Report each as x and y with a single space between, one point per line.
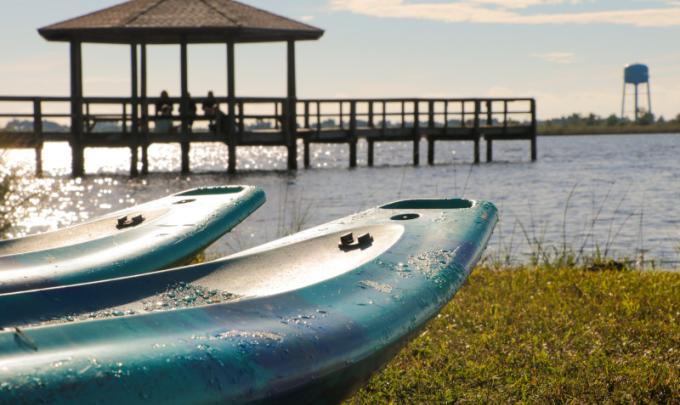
148 237
305 319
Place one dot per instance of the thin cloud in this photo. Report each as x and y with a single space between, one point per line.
508 12
562 58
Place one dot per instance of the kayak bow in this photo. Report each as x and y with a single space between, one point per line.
148 237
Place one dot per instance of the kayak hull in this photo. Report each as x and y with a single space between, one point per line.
316 341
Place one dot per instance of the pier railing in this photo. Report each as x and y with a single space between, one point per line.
266 121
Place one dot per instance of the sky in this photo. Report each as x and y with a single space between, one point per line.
568 54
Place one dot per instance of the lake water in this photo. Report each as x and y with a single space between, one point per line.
618 193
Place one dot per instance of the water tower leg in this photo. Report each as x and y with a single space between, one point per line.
649 98
637 107
623 102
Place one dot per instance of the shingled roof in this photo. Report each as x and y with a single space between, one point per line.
176 21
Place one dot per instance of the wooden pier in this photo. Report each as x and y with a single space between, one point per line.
133 122
268 122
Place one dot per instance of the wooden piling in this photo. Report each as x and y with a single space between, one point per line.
534 132
184 109
477 134
416 132
134 139
306 154
229 131
144 137
353 135
489 150
291 111
38 133
77 147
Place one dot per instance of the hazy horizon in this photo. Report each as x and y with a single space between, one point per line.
569 54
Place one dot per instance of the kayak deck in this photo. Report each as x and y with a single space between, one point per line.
140 239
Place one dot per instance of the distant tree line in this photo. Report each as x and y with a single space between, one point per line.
591 120
612 124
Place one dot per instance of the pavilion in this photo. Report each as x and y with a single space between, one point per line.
139 23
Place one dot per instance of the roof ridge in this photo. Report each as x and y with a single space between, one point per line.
132 19
218 11
274 14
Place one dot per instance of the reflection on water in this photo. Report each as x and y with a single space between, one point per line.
616 192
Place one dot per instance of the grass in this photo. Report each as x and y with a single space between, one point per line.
13 201
540 335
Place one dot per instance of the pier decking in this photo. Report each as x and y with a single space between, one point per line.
268 122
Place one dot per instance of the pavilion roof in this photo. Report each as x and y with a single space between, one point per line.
177 21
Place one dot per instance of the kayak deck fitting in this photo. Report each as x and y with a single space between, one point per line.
148 237
307 318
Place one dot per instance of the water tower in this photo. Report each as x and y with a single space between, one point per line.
636 74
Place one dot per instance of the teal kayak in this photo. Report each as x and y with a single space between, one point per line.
148 237
305 319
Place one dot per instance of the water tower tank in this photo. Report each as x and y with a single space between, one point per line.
636 74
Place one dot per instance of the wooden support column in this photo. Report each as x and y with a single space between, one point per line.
477 134
184 108
430 114
489 113
353 134
416 133
489 150
134 100
371 125
534 132
430 151
306 157
77 148
306 154
231 107
38 133
292 108
145 113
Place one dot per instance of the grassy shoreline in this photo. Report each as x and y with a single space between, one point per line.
550 130
541 335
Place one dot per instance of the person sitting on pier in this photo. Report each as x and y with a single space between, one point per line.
164 110
210 110
210 105
219 121
190 113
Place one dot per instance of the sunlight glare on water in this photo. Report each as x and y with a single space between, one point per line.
616 192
